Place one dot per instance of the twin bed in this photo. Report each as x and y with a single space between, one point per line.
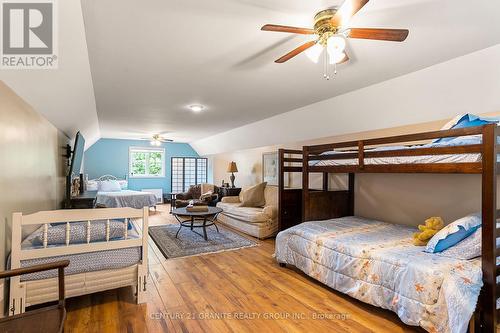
107 249
376 262
121 196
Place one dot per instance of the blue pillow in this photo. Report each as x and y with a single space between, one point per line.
454 238
454 233
468 120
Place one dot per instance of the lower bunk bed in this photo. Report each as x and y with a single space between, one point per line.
107 249
377 263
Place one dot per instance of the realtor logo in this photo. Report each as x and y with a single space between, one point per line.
28 34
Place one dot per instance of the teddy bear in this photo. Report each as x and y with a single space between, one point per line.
431 227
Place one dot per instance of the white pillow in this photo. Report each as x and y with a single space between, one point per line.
109 186
123 184
92 185
453 233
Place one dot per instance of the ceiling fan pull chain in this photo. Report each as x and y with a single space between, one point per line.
335 69
325 66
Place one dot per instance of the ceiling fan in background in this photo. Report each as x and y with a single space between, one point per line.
157 140
331 30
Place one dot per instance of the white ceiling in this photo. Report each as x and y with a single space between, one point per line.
150 59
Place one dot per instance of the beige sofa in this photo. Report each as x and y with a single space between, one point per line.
260 222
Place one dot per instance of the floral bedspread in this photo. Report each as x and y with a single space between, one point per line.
377 263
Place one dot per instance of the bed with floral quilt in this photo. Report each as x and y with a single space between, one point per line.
377 263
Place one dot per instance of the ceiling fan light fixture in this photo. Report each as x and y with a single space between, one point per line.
335 45
337 58
313 53
196 108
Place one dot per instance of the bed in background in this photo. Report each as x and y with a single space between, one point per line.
114 193
107 249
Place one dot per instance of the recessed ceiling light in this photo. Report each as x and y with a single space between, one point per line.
196 107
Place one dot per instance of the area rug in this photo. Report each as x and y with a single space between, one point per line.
191 243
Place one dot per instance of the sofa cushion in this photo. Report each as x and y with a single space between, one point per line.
253 196
247 214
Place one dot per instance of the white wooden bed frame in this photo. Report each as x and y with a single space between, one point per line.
27 293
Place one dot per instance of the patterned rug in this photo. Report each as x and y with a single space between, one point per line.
191 243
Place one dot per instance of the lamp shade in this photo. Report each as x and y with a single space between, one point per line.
232 167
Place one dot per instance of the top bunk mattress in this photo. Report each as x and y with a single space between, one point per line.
423 159
376 262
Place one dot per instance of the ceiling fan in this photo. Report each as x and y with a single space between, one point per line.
330 27
157 140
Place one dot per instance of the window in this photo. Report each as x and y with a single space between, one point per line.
187 171
146 162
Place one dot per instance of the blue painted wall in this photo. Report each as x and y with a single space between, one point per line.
110 156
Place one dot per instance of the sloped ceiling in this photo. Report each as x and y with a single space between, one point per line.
65 96
147 60
151 59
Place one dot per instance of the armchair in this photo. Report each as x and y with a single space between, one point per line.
196 193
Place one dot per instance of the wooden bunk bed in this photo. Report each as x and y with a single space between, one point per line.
326 204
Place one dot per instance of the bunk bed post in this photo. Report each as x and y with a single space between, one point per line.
489 231
305 183
281 185
350 184
325 181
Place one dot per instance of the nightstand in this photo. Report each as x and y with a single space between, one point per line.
83 201
229 192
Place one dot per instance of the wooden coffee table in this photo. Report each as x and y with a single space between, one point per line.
197 219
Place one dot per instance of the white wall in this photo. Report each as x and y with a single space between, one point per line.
31 164
466 84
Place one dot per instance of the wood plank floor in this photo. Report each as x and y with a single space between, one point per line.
235 291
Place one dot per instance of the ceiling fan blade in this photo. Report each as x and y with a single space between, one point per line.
284 28
295 52
348 9
393 35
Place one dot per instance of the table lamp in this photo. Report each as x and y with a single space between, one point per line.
232 168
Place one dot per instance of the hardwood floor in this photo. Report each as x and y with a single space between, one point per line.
235 291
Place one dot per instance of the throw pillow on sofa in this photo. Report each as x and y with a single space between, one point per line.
253 196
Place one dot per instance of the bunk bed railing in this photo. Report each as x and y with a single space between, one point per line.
406 138
361 150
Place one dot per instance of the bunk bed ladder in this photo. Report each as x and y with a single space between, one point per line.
489 294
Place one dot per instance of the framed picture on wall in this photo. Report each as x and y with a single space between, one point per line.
270 168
